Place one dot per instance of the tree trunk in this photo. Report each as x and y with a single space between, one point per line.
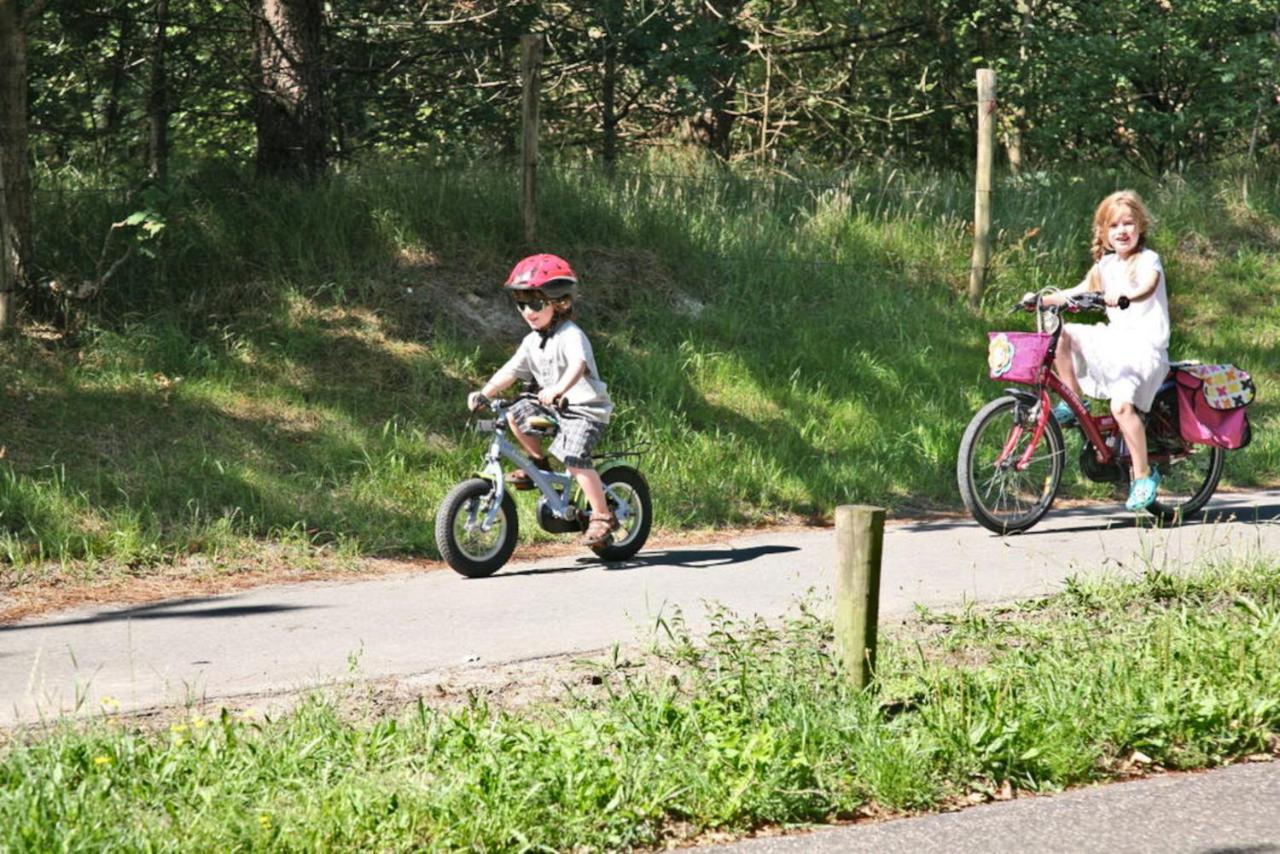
291 115
15 178
613 26
158 99
609 101
1018 114
712 126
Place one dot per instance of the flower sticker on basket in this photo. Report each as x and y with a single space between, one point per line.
1000 355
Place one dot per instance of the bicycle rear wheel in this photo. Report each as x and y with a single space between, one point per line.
1187 484
1001 498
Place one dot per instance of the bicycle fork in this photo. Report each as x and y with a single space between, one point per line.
1015 435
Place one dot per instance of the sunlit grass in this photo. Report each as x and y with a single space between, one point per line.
754 726
296 359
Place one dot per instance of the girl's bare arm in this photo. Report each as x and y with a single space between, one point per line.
1061 297
1144 284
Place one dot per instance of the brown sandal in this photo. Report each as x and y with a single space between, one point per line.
600 531
519 479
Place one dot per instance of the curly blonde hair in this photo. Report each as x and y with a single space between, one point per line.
1106 214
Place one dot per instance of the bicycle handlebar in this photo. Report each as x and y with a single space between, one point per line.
483 402
1088 301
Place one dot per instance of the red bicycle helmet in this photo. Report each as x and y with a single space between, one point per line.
548 274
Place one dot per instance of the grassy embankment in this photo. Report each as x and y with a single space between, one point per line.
755 728
291 366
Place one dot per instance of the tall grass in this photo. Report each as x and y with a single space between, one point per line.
754 727
292 362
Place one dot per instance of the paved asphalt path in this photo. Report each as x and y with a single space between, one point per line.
289 637
1232 810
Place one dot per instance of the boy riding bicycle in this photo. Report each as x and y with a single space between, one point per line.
556 355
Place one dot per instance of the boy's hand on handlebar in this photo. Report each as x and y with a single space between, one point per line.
477 401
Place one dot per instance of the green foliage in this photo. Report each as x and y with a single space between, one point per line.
291 364
750 727
1158 85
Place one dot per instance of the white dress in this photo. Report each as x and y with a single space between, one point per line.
1127 358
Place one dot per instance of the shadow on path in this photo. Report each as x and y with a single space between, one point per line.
688 558
162 611
1091 519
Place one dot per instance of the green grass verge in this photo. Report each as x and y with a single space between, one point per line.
291 364
752 727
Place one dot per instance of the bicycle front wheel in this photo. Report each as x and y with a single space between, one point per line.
999 496
464 542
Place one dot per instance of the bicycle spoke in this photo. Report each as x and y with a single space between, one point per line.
1004 498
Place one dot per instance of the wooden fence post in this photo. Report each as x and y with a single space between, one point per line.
6 280
530 60
982 184
859 544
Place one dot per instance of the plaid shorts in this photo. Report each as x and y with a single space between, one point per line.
574 441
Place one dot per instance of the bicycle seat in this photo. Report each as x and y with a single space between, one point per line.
542 423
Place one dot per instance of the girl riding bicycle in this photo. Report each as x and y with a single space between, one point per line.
1127 358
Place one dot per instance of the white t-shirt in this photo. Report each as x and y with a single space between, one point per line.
1146 320
546 360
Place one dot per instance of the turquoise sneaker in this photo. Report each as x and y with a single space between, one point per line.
1064 415
1142 492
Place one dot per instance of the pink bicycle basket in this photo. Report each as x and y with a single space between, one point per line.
1016 357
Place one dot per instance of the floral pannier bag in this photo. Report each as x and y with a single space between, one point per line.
1212 401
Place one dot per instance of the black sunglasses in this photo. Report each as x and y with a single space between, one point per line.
533 303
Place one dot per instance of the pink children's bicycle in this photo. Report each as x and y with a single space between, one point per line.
1013 452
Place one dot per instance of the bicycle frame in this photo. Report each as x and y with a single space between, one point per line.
1096 428
556 487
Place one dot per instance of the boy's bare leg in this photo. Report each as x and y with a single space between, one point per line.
593 488
531 444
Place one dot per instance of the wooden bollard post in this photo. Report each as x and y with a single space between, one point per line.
530 60
859 544
982 184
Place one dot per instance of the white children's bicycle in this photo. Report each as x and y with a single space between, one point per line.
477 526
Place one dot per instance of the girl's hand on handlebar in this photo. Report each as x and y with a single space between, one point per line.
1087 301
477 401
548 397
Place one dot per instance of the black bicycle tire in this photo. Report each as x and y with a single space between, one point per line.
452 552
1179 514
971 495
644 498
